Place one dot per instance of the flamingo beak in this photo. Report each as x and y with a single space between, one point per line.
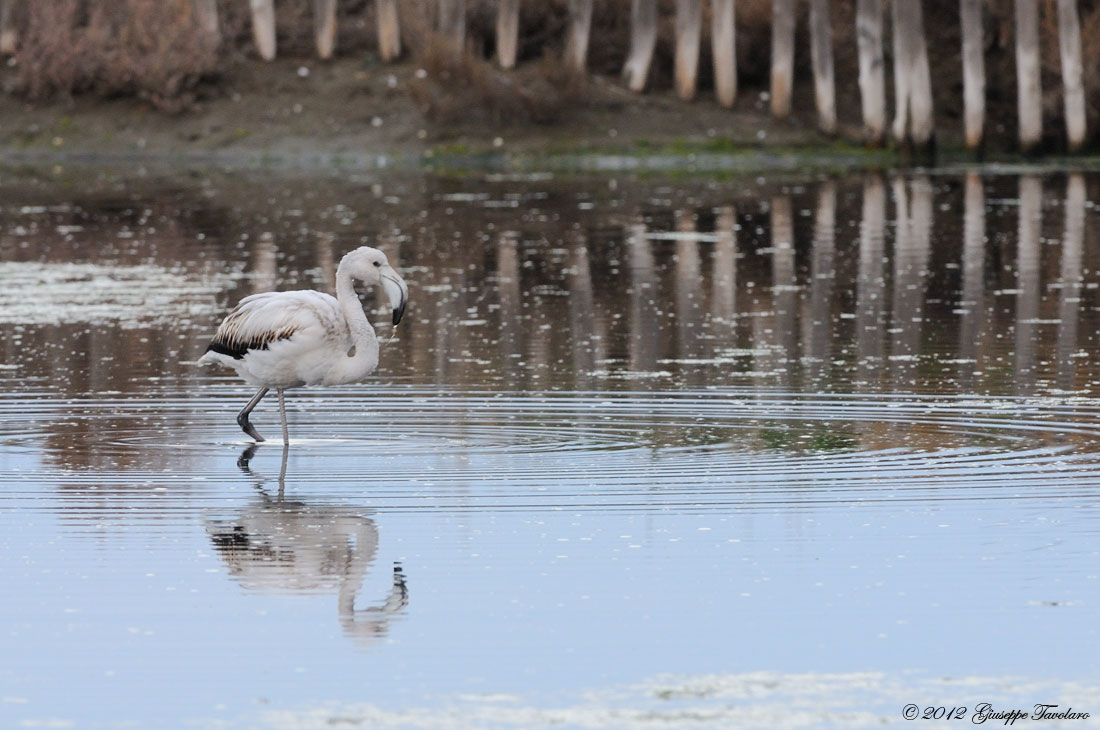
396 290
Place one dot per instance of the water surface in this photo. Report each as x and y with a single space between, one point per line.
644 453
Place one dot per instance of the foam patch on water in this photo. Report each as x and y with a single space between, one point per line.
37 293
761 699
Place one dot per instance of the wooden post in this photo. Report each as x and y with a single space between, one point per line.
782 56
973 59
389 30
580 25
872 75
689 19
9 37
1029 94
902 62
1069 43
920 88
263 27
206 12
452 25
643 39
324 27
723 41
507 33
912 78
821 43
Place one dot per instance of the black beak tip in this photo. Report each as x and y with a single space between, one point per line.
398 314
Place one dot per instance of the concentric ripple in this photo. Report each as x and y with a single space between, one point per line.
431 448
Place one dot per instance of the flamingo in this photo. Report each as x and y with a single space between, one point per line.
288 339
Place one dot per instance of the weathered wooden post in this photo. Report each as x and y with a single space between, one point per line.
389 29
821 54
1029 91
580 26
9 37
723 41
507 33
452 25
872 74
912 78
263 27
782 77
206 12
689 19
920 97
643 39
973 60
1069 43
902 62
324 27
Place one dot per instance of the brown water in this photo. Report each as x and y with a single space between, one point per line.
644 453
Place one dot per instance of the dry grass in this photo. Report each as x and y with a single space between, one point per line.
146 48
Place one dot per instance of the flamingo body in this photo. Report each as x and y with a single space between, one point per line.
288 339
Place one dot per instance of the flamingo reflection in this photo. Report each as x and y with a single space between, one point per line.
278 545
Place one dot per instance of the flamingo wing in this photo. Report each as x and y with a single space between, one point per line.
263 319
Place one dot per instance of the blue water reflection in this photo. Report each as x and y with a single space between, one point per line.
749 454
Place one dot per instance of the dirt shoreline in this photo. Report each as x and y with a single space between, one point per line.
345 115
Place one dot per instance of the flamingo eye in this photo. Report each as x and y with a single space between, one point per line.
378 264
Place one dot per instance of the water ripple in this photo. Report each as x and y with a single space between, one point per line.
426 448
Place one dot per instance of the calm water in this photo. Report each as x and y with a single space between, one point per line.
645 453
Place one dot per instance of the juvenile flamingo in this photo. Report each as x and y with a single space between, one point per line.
287 339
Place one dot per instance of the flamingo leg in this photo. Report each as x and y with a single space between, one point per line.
282 416
242 417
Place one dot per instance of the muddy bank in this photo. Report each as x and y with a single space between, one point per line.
301 112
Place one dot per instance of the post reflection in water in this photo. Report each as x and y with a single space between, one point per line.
586 341
913 203
972 301
280 545
1069 295
785 289
1027 281
510 305
723 289
644 308
871 284
818 321
689 309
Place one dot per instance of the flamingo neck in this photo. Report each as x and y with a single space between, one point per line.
364 343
